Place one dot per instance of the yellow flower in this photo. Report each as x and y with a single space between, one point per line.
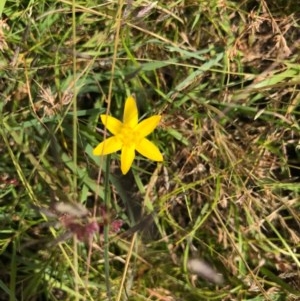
129 136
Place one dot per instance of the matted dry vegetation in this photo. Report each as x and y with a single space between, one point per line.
224 75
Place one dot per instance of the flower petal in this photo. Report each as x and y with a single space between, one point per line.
145 127
130 117
108 146
127 157
149 150
111 123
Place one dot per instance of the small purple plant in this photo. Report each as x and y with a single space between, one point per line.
77 220
84 231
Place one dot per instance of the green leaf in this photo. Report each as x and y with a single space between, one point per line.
2 4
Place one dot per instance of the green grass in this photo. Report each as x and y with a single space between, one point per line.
225 77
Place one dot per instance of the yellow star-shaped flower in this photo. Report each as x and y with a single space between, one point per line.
129 136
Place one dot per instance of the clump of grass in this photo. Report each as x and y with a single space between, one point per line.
224 76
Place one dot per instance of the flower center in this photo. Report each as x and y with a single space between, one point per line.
128 136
